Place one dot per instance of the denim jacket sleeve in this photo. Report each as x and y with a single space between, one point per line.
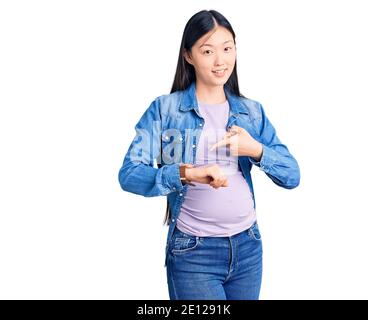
138 174
276 160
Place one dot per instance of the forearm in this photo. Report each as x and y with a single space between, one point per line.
280 166
258 152
147 181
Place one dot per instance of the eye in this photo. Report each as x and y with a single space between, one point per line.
207 51
228 48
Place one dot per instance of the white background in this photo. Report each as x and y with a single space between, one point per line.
75 77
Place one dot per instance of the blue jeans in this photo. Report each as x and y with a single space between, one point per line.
215 268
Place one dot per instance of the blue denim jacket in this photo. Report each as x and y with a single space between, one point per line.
167 135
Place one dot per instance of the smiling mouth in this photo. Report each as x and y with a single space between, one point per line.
220 71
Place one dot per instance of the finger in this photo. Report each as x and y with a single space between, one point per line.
221 143
225 183
236 129
218 182
222 183
226 140
207 180
215 183
232 133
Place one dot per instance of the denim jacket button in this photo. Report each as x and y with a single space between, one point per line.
180 194
172 220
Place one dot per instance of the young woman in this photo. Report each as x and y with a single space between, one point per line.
205 136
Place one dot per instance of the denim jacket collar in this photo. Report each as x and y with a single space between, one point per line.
189 100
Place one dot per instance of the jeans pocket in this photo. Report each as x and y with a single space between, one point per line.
254 232
183 242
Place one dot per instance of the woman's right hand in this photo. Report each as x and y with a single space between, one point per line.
210 174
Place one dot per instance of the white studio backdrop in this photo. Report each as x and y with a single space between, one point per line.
76 76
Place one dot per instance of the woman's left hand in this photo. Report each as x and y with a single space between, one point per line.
240 143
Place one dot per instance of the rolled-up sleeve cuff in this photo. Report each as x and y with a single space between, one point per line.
267 160
171 176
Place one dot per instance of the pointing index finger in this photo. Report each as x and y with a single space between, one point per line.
222 142
225 141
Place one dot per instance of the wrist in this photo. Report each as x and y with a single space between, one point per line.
257 155
185 174
189 174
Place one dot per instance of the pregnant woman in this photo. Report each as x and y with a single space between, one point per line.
205 136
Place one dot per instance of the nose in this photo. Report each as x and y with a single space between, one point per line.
219 60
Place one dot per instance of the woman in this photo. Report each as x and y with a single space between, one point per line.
205 136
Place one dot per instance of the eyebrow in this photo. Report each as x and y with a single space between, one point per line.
210 45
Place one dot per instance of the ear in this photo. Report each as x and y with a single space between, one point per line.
187 57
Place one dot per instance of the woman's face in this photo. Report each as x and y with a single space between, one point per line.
215 50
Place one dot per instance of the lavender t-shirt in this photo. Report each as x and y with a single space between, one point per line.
216 212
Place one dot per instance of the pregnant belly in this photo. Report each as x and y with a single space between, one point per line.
223 205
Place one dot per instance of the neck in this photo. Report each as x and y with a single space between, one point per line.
210 94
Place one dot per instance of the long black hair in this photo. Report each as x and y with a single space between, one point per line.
197 26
